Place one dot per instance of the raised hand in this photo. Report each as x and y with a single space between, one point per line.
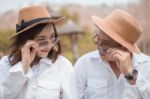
28 52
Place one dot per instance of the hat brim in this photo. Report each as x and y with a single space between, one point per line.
55 21
103 25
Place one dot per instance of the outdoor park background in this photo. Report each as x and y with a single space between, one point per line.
79 12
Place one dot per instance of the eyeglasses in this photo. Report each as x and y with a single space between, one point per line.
44 41
103 45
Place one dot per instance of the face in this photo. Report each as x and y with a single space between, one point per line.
46 40
103 43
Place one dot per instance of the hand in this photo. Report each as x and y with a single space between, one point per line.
122 58
28 53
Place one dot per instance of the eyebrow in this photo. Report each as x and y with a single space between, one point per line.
45 36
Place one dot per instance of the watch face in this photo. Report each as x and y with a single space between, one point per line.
132 76
135 73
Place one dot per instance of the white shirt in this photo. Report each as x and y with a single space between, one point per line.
93 78
46 80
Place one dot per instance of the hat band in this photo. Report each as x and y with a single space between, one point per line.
24 24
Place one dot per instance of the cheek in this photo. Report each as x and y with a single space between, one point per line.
46 47
42 54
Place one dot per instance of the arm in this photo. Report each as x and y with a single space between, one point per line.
12 79
141 84
143 80
141 88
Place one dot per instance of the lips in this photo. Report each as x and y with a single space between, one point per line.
45 51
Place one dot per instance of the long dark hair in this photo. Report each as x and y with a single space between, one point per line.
21 39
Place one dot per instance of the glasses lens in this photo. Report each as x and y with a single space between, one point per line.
44 43
103 51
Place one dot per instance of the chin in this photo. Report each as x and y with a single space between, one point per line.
42 55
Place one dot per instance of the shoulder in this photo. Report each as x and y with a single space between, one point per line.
63 59
87 60
89 57
4 63
4 59
64 62
140 58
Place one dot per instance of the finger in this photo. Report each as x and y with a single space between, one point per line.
120 52
33 54
111 51
33 51
111 54
30 43
117 57
35 47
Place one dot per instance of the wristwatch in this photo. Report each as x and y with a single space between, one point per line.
132 75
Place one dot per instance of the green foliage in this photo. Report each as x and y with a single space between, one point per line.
4 40
85 44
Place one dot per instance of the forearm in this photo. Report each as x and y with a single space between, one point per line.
13 85
14 82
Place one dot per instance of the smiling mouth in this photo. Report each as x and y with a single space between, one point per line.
44 51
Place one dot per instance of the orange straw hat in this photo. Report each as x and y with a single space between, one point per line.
121 27
30 17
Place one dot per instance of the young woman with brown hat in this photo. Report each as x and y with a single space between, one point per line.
117 70
34 68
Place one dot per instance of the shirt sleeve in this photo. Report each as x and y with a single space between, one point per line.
12 79
143 85
78 80
141 90
65 79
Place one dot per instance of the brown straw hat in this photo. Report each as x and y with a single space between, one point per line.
121 27
31 16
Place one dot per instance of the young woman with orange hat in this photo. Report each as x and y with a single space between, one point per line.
117 70
34 68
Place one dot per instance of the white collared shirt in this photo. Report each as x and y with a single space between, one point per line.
94 79
46 80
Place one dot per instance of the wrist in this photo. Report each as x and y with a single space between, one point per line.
128 71
25 67
132 75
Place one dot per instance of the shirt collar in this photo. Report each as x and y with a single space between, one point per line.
46 61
